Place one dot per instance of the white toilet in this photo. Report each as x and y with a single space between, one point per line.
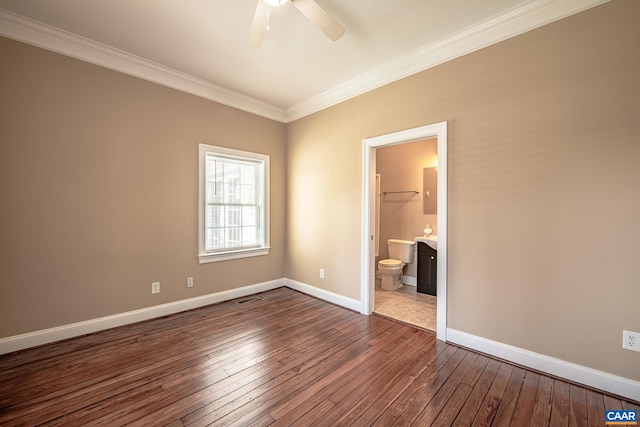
401 253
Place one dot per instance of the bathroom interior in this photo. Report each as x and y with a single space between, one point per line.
406 232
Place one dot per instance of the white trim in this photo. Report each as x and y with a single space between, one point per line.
410 280
225 256
367 246
581 374
443 232
45 336
45 36
367 264
325 295
525 17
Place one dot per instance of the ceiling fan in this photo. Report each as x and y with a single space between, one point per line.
309 8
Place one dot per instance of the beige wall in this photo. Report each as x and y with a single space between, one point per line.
98 185
544 186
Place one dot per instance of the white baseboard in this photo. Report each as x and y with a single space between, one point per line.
410 280
406 280
322 294
45 336
556 367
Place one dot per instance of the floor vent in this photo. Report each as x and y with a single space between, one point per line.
242 301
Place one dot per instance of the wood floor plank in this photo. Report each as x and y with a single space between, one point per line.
452 408
470 408
434 361
507 404
379 402
416 397
526 399
542 408
313 416
631 405
611 402
376 372
560 404
595 408
280 358
372 406
489 406
461 394
578 407
432 410
355 392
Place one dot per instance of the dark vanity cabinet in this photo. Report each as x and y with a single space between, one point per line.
427 269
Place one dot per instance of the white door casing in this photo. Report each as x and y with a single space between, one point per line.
367 273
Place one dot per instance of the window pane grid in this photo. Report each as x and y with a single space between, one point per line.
233 213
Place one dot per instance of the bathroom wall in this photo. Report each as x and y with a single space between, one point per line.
401 214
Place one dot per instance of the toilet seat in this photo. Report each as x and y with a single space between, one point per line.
390 263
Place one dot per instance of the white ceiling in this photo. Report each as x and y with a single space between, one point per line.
199 46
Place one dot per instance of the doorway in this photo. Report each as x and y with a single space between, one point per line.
369 236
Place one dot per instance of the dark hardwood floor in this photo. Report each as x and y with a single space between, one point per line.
280 358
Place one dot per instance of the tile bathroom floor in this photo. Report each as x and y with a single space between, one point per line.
406 305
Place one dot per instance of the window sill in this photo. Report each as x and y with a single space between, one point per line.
225 256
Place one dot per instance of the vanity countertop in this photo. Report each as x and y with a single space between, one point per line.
431 240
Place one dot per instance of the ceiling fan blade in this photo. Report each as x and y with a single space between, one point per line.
316 14
259 24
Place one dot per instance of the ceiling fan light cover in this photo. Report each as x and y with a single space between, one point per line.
275 2
309 8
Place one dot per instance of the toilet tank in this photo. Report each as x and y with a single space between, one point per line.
402 250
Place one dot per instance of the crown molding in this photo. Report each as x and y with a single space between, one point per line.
511 23
38 34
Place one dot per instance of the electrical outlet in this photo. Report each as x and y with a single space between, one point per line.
631 340
322 273
189 282
155 288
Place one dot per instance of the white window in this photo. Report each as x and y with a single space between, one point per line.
233 204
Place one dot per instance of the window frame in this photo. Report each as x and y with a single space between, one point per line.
231 253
